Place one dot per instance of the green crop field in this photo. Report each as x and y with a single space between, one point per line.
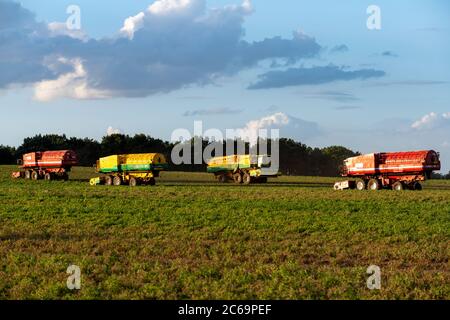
192 238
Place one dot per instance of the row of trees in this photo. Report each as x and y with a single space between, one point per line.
435 175
295 157
7 155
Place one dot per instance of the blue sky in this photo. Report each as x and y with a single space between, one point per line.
320 67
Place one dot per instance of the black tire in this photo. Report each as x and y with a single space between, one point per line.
117 181
417 186
237 177
360 185
35 175
108 181
374 185
65 177
133 182
247 179
398 186
152 181
48 177
222 178
28 174
263 180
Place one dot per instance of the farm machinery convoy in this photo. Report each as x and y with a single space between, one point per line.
375 171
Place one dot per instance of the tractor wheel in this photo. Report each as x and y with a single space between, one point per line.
133 182
108 181
247 179
28 174
35 175
360 185
398 186
237 177
222 178
48 176
152 181
374 185
417 186
117 181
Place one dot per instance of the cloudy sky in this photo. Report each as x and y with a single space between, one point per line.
311 68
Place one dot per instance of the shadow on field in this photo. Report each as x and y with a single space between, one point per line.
200 183
274 184
231 184
42 237
446 187
80 180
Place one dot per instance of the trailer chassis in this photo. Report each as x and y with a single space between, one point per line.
378 182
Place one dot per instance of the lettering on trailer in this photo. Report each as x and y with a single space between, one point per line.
49 161
392 168
400 160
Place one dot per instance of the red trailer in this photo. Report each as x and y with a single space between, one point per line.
396 170
48 165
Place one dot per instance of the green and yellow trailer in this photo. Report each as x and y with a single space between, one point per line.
244 169
131 169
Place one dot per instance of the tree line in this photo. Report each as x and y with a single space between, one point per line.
295 158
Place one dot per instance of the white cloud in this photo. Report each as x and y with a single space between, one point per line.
162 7
132 24
72 84
60 29
110 131
159 11
426 121
432 120
247 5
290 127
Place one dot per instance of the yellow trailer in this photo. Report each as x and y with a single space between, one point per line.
132 169
242 168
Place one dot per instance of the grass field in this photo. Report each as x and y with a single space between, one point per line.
191 238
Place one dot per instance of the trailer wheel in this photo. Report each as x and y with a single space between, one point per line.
133 182
237 177
35 175
360 185
108 181
152 181
28 174
65 176
117 181
263 180
247 179
222 178
374 185
398 186
48 176
417 186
